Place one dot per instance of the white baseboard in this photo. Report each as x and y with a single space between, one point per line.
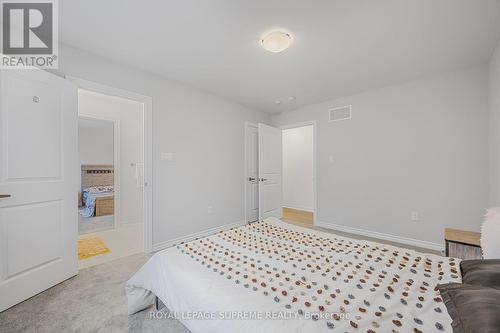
380 235
188 238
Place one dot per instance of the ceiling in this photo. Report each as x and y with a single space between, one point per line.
340 46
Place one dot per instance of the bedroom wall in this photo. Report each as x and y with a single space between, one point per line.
205 134
95 142
420 146
494 130
129 115
298 189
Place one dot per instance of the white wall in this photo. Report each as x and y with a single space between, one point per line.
95 141
204 132
129 116
298 189
419 146
494 130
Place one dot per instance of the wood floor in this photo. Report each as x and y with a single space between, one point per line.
297 215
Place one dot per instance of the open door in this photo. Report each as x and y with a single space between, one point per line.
38 183
252 172
270 160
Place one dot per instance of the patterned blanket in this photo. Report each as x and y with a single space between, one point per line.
90 194
321 280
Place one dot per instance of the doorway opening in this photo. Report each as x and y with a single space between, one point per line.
298 174
96 196
112 183
280 172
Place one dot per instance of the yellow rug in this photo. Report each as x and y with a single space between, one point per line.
90 247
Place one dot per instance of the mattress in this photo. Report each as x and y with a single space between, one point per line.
275 277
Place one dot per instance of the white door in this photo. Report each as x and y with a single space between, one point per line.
252 175
270 161
38 183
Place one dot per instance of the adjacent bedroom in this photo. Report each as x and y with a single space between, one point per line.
111 191
250 166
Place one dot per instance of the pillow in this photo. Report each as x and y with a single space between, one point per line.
484 273
472 308
490 230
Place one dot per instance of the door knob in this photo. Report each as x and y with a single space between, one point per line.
263 179
2 196
251 179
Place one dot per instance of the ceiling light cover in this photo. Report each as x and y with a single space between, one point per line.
276 41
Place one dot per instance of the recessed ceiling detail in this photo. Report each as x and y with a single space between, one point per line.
276 41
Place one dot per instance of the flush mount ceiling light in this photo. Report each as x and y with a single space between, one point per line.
276 41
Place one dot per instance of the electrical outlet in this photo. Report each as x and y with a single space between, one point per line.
414 216
210 210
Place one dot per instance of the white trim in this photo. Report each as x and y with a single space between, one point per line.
296 125
116 162
200 234
147 102
245 167
383 236
315 161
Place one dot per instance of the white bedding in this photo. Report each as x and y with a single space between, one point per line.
291 274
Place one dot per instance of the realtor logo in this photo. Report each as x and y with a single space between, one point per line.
29 34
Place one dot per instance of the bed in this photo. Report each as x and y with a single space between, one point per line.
97 195
271 276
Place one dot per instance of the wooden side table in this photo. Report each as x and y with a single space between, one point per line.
462 244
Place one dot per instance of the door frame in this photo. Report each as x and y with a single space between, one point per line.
147 102
245 183
116 161
315 134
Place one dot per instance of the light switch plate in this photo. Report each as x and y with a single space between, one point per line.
167 156
415 216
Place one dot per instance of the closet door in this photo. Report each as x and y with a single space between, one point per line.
38 183
270 170
252 172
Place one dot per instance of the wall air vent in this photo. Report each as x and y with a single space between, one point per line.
340 113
